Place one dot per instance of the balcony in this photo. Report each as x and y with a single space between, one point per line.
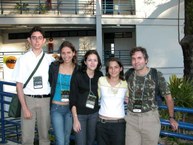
70 7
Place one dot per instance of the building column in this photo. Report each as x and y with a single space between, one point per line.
99 45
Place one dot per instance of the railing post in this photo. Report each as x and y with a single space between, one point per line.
93 7
39 7
76 12
2 115
58 5
21 7
1 7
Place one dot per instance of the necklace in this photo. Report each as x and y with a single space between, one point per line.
114 90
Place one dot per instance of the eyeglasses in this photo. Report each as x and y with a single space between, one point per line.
37 38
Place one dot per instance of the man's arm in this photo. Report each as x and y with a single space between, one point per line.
170 105
26 112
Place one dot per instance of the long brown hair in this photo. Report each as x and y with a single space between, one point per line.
71 46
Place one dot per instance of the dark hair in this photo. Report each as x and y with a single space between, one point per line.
89 52
37 29
71 46
143 51
121 74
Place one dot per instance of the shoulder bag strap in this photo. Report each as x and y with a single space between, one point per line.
33 71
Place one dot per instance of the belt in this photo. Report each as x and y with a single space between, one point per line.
39 96
149 113
111 121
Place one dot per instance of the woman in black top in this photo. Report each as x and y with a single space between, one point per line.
84 98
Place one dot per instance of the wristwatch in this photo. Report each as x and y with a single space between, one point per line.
171 117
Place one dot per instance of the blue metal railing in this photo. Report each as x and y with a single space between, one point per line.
7 122
3 118
182 125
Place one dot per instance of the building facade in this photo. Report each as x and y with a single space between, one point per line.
112 27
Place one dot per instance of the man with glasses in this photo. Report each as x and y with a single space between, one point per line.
34 98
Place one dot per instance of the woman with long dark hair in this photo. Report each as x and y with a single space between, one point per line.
60 74
84 98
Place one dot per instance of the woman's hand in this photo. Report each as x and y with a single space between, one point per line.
76 125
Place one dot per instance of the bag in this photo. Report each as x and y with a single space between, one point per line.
14 107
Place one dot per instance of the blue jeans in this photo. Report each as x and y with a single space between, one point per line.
88 129
61 118
111 133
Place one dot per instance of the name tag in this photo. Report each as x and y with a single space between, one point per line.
137 106
37 81
90 103
65 96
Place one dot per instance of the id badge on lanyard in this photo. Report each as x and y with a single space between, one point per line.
65 95
137 106
37 82
91 99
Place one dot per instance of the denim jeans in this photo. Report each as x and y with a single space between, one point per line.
61 118
111 133
87 134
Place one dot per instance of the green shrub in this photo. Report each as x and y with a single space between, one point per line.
182 91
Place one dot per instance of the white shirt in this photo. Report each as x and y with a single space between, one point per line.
112 98
24 67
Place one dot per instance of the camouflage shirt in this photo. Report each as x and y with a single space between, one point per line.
143 88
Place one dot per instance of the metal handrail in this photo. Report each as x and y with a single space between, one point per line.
182 124
57 7
4 94
42 7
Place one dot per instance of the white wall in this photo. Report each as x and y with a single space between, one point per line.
125 43
158 33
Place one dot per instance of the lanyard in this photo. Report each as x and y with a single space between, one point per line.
90 87
134 86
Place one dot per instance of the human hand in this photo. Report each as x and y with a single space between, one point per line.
126 100
174 124
76 125
27 114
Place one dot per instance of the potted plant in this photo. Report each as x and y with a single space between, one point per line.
41 9
22 7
